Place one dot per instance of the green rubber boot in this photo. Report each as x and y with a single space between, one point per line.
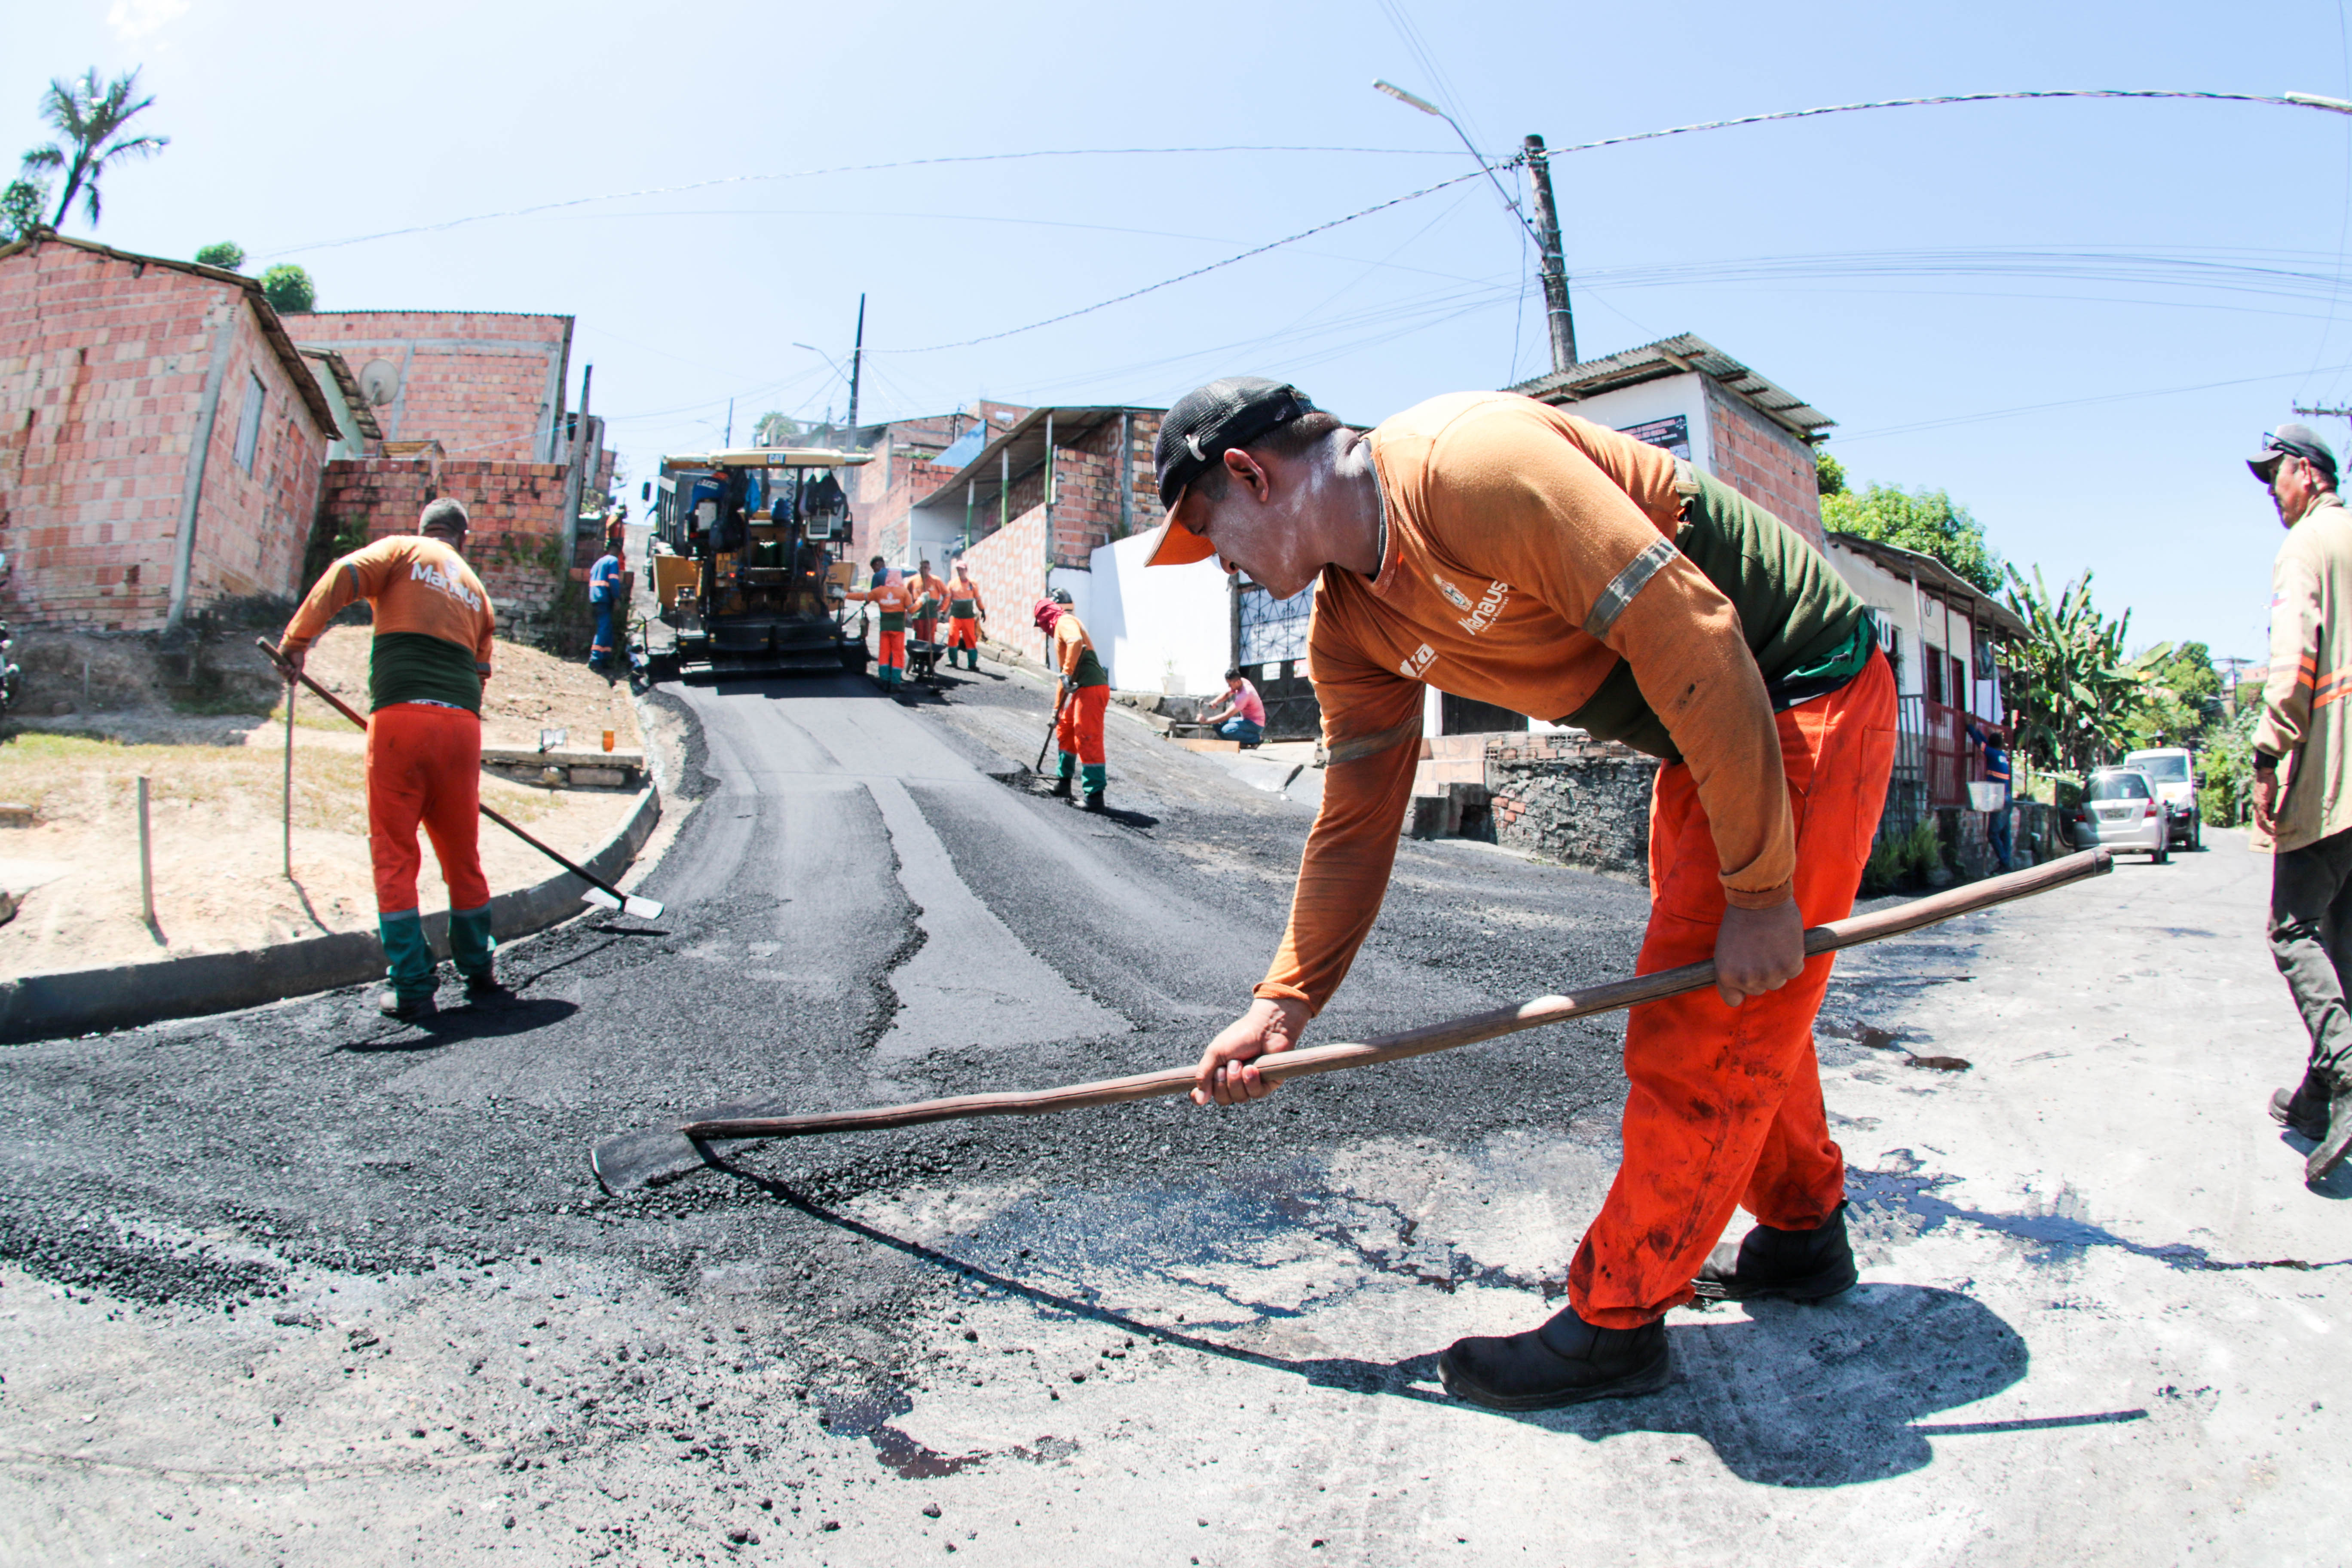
409 958
471 947
1097 776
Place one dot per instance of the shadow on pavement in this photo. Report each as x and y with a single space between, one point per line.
453 1025
1791 1396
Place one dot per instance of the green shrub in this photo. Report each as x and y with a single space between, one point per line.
289 289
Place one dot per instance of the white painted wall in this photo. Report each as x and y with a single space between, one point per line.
1919 620
1660 399
1150 622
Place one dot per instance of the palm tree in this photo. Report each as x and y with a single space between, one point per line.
90 118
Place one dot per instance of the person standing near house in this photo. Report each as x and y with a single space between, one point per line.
605 599
426 664
1242 715
1086 694
2303 780
1991 740
965 612
1509 553
892 603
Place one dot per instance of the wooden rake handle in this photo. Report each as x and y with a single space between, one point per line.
1282 1067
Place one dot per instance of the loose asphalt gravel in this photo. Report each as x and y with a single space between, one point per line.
299 1284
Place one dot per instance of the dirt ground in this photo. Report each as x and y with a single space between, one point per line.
214 811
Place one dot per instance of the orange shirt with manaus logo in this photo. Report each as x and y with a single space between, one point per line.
433 620
1529 554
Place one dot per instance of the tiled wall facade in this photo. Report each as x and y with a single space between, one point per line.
485 385
1010 567
103 364
1760 459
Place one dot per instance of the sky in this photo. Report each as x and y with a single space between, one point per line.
2076 316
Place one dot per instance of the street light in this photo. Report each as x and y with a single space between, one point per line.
1545 230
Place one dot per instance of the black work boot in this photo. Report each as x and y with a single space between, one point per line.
407 1009
1566 1362
1094 800
2338 1141
486 990
1061 790
2303 1109
1793 1265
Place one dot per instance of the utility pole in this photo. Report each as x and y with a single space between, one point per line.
856 355
727 442
1555 269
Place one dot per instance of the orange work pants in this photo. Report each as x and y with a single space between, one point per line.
892 653
1725 1105
1080 729
424 765
963 632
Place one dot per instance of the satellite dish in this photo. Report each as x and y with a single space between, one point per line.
379 383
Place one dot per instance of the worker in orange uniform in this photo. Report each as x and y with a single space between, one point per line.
426 664
1086 692
930 598
965 612
1508 551
892 604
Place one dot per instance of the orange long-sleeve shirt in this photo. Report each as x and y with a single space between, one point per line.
1529 554
430 612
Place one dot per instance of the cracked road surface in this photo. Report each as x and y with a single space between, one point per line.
295 1285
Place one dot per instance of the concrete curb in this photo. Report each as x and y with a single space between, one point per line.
123 996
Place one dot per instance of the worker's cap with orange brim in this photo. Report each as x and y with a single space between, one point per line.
1205 424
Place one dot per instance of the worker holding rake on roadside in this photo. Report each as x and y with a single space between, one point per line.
1086 694
1506 552
426 663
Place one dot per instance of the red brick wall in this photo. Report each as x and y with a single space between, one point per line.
485 385
1760 459
518 546
102 369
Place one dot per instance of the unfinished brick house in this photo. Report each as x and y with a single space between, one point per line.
161 437
912 458
1040 504
471 405
486 384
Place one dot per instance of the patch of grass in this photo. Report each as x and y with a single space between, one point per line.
222 705
77 778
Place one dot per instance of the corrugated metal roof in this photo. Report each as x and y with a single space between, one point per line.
313 397
1677 355
1933 574
363 414
1022 447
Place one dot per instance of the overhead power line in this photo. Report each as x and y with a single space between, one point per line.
2286 101
813 174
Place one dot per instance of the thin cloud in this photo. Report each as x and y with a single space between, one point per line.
132 20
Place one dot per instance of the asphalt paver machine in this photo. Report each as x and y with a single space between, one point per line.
748 562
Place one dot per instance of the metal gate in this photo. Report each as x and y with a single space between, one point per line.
1270 647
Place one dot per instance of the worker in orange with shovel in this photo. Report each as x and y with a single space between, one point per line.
1508 551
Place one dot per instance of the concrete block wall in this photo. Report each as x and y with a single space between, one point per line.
1759 458
518 546
486 384
1569 798
103 364
1010 567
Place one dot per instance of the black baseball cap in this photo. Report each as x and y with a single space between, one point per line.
2291 441
1205 424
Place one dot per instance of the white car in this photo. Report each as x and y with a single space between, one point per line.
2120 811
2173 771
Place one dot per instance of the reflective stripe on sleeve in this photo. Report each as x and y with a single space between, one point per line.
1624 585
